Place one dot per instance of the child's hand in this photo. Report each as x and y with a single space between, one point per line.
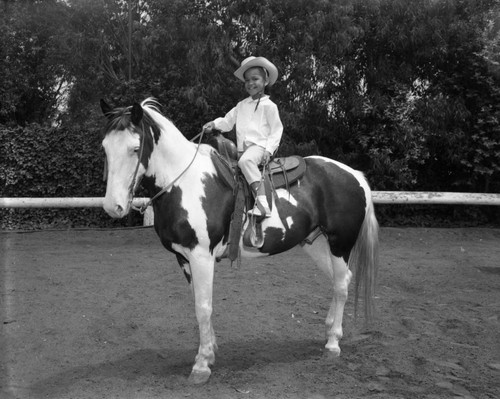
209 126
266 158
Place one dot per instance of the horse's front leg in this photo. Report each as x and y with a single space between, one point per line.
202 272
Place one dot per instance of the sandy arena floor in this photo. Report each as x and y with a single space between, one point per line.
108 314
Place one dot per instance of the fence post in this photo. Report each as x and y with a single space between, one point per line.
149 217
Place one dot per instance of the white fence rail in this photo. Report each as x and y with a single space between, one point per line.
379 197
428 197
61 202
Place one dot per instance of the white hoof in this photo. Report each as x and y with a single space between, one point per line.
332 351
198 377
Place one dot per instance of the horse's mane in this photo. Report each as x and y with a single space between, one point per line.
119 118
151 103
157 119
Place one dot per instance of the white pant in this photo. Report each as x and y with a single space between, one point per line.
249 163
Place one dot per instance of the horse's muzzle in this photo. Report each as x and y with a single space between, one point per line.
116 210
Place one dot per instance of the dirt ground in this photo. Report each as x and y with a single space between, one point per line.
108 314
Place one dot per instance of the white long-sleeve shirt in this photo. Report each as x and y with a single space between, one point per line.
261 126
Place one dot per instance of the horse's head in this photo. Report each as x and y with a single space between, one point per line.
127 149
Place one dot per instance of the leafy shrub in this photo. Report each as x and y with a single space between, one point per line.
43 161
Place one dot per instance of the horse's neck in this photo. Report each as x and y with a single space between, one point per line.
171 155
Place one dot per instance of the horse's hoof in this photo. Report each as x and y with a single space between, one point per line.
332 353
198 377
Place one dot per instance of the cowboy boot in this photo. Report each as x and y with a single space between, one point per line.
261 207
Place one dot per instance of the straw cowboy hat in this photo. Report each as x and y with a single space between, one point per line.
262 62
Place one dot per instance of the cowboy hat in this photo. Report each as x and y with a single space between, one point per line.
262 62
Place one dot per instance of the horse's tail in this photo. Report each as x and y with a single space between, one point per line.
364 259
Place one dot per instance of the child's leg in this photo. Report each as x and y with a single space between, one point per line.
249 165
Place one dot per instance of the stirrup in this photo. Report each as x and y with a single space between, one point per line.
260 210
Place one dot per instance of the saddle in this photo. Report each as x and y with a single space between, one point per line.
279 173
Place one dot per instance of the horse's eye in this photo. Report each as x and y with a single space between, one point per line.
136 150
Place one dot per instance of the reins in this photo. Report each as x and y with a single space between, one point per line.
143 208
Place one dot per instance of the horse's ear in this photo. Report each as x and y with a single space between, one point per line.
106 109
136 114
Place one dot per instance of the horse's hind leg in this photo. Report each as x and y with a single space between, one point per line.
340 275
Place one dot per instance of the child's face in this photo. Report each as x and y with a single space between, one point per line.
255 81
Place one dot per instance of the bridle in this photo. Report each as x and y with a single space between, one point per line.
131 190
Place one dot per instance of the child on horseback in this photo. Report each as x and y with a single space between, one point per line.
258 125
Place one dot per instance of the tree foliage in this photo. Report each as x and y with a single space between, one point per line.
31 61
408 92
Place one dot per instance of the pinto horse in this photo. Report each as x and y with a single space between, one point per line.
328 211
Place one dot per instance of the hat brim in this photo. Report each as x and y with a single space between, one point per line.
258 62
